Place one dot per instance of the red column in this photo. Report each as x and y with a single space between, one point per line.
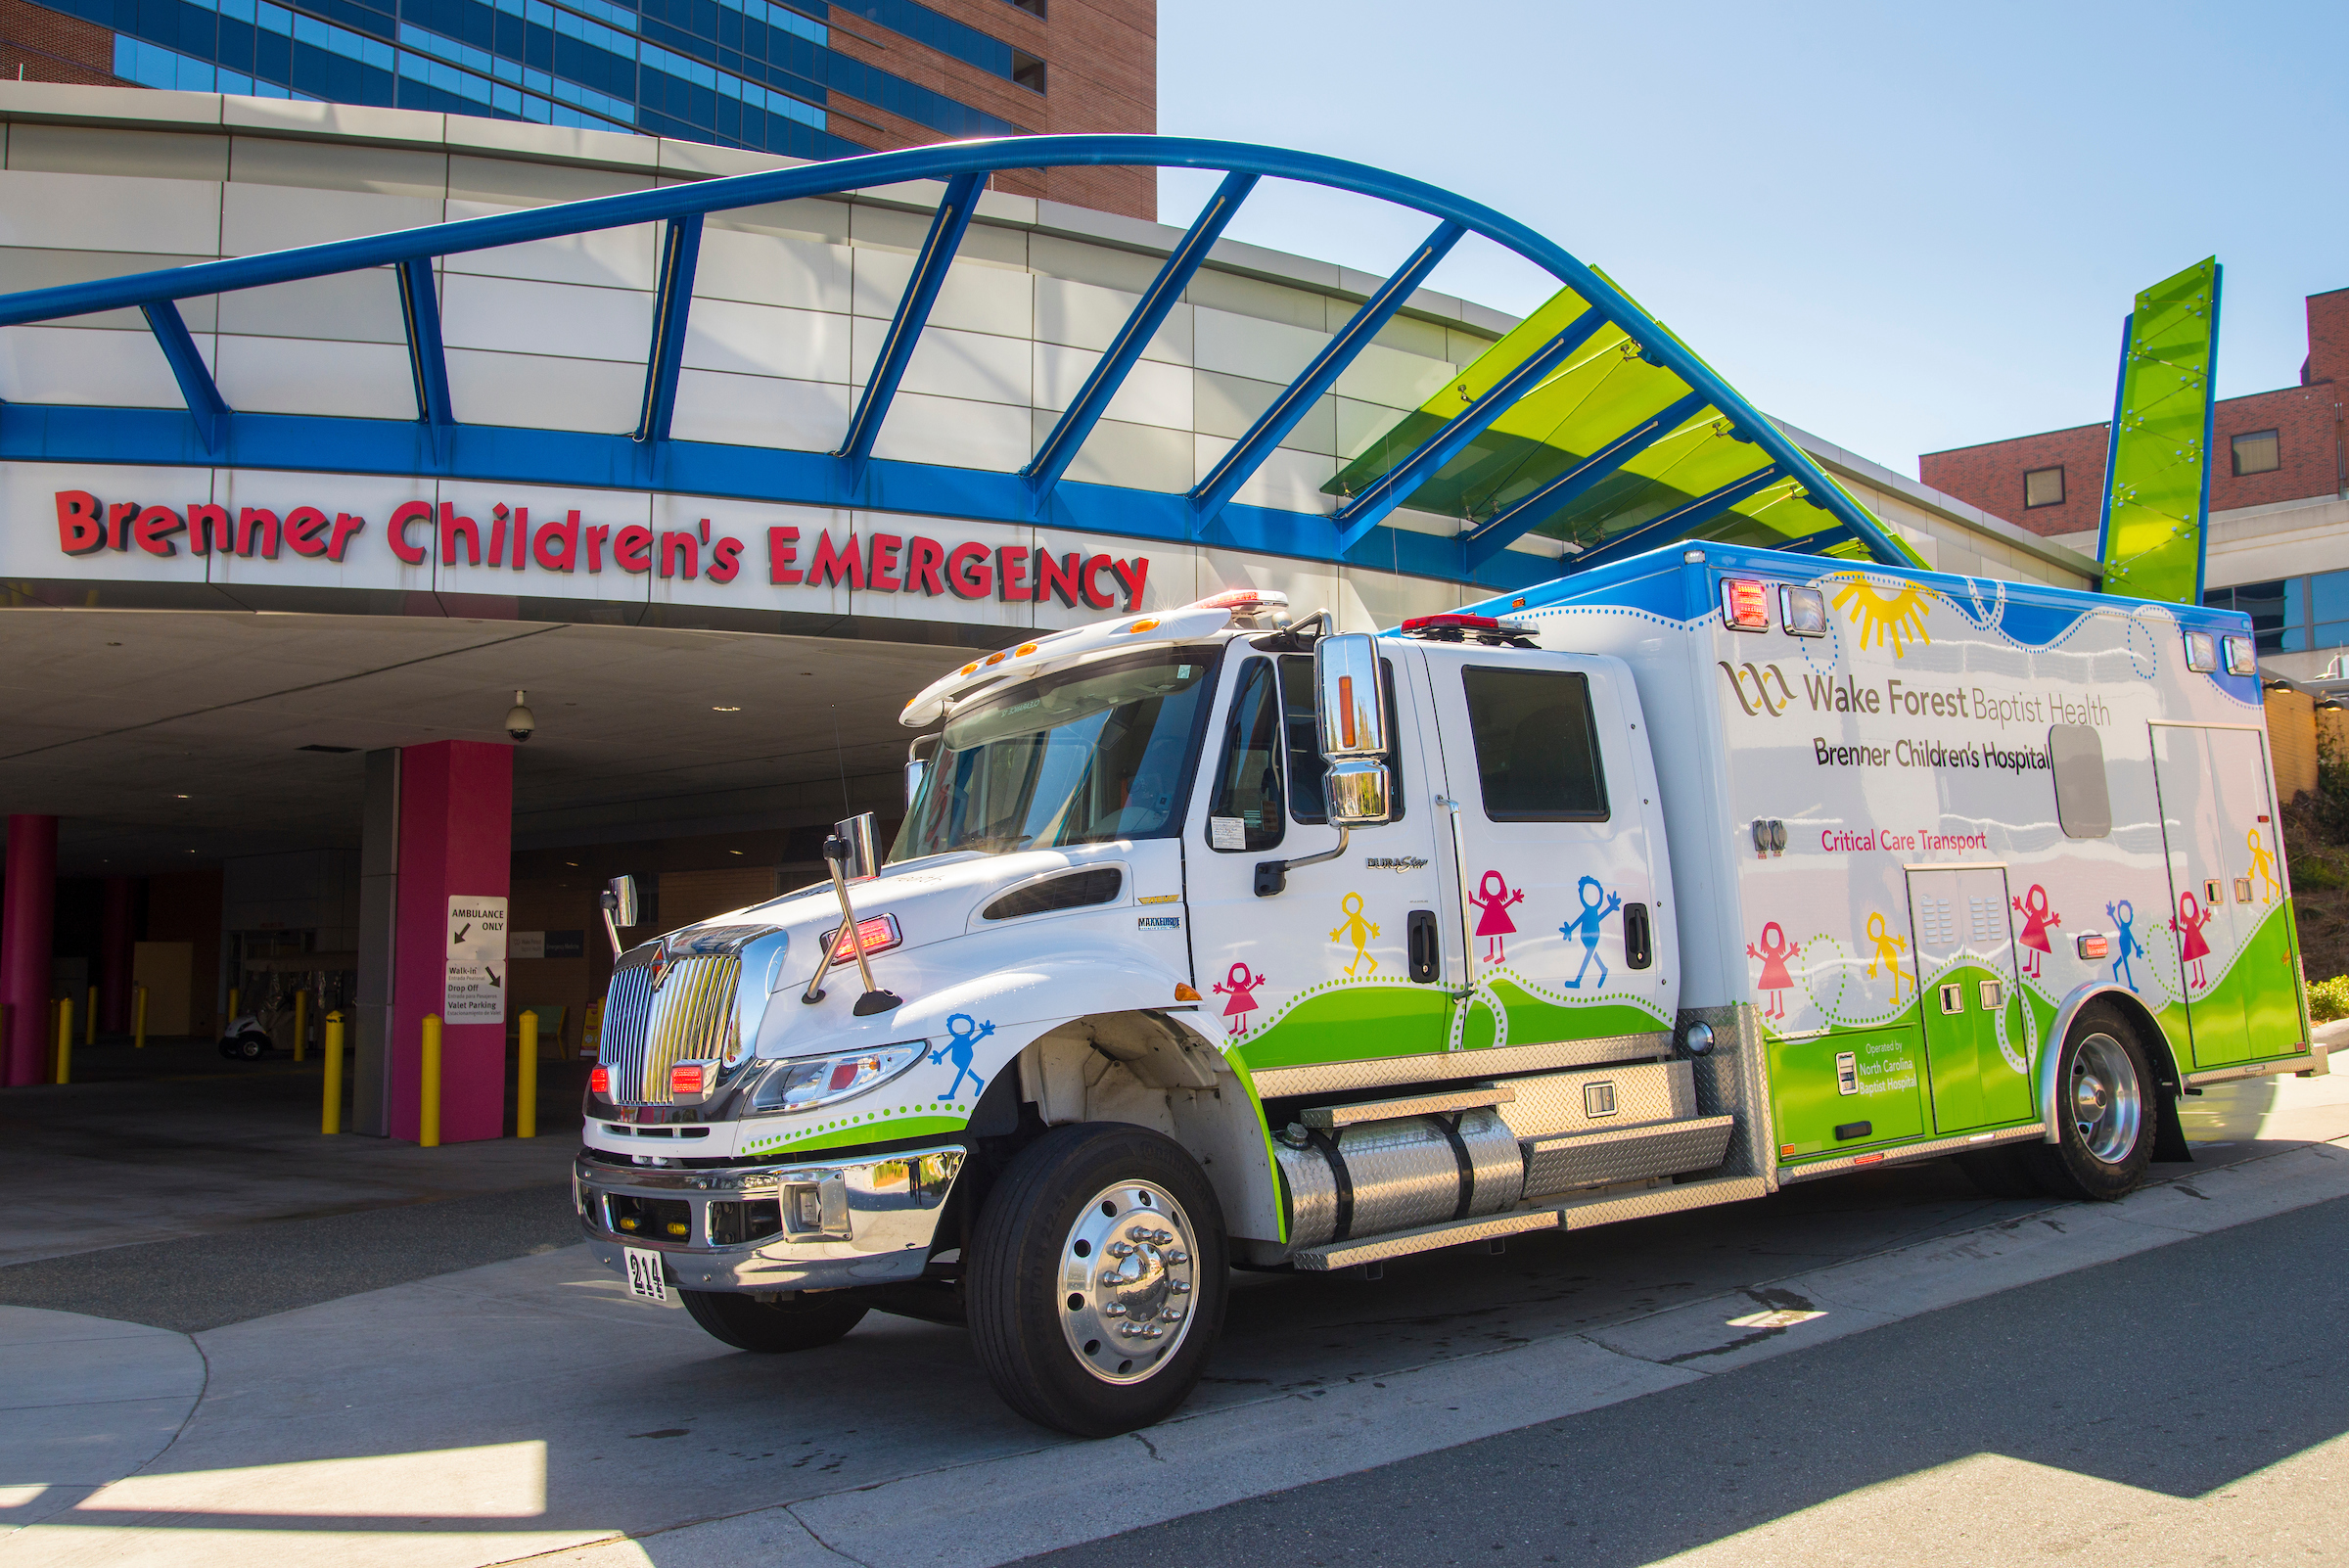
115 946
28 923
456 838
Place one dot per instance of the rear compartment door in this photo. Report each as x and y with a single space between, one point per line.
1977 1051
2229 923
1557 855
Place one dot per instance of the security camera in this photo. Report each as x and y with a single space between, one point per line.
519 722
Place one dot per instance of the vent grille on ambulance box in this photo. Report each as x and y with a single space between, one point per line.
1074 891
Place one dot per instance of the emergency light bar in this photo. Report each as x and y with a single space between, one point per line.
1456 628
1744 604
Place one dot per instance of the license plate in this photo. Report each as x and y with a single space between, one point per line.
644 1274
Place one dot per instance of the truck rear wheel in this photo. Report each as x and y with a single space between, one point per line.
1097 1278
2105 1092
771 1327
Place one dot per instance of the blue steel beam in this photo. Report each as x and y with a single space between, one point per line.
1357 517
941 162
679 252
206 406
954 211
1503 528
1212 493
428 361
1659 531
1818 544
1060 447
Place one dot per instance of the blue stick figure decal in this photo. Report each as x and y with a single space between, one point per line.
2124 913
968 1031
1587 925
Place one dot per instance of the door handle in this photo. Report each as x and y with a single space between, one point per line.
1427 958
1638 936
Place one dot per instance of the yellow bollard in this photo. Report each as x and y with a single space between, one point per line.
138 1017
428 1114
65 1041
330 1118
89 1027
234 1011
526 1086
301 1023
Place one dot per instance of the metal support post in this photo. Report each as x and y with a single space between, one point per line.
138 1018
301 1023
64 1039
89 1025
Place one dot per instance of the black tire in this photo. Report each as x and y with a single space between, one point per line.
2004 1173
2108 1100
252 1047
1076 1345
771 1329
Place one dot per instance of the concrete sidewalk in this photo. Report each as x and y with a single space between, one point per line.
528 1405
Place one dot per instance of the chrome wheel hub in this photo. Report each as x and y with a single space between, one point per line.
2106 1101
1125 1280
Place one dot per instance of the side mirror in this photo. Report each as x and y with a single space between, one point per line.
619 902
1349 697
917 767
1349 714
859 857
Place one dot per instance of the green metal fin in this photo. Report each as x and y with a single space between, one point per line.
2157 465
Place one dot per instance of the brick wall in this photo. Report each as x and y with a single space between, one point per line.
1990 477
1100 75
38 44
2308 422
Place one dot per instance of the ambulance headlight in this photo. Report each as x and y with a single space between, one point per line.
2243 656
811 1082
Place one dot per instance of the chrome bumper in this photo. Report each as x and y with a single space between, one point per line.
805 1226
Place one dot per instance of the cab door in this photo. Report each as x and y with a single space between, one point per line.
1977 1049
2228 923
1345 963
1558 861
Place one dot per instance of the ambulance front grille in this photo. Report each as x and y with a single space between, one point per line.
689 1016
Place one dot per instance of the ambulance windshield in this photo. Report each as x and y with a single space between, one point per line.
1077 755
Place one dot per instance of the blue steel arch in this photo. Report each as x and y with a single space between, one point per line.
436 445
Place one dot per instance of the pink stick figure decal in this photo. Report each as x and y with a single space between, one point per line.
2033 907
1242 991
2192 949
1773 952
1494 896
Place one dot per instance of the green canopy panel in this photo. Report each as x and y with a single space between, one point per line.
1552 462
2157 467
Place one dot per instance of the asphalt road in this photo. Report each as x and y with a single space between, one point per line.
2174 1406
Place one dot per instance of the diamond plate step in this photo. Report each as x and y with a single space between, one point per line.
1427 1238
1572 1160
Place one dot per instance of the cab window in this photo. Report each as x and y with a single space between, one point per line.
1244 810
1536 745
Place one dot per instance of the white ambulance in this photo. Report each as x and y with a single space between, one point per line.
1213 941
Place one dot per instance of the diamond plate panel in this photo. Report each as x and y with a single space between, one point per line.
1625 1154
1550 1103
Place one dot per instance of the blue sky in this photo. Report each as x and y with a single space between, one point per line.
1902 228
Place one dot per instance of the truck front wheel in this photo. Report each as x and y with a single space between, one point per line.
1097 1278
771 1327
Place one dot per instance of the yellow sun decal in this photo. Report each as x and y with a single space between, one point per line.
1898 618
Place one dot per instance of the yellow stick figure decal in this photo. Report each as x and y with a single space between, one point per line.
1355 929
1889 948
2263 866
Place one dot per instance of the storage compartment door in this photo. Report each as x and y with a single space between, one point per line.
1977 1046
2228 922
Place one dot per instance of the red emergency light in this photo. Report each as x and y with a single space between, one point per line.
689 1077
1457 627
1244 599
1744 604
877 932
599 1082
2095 946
